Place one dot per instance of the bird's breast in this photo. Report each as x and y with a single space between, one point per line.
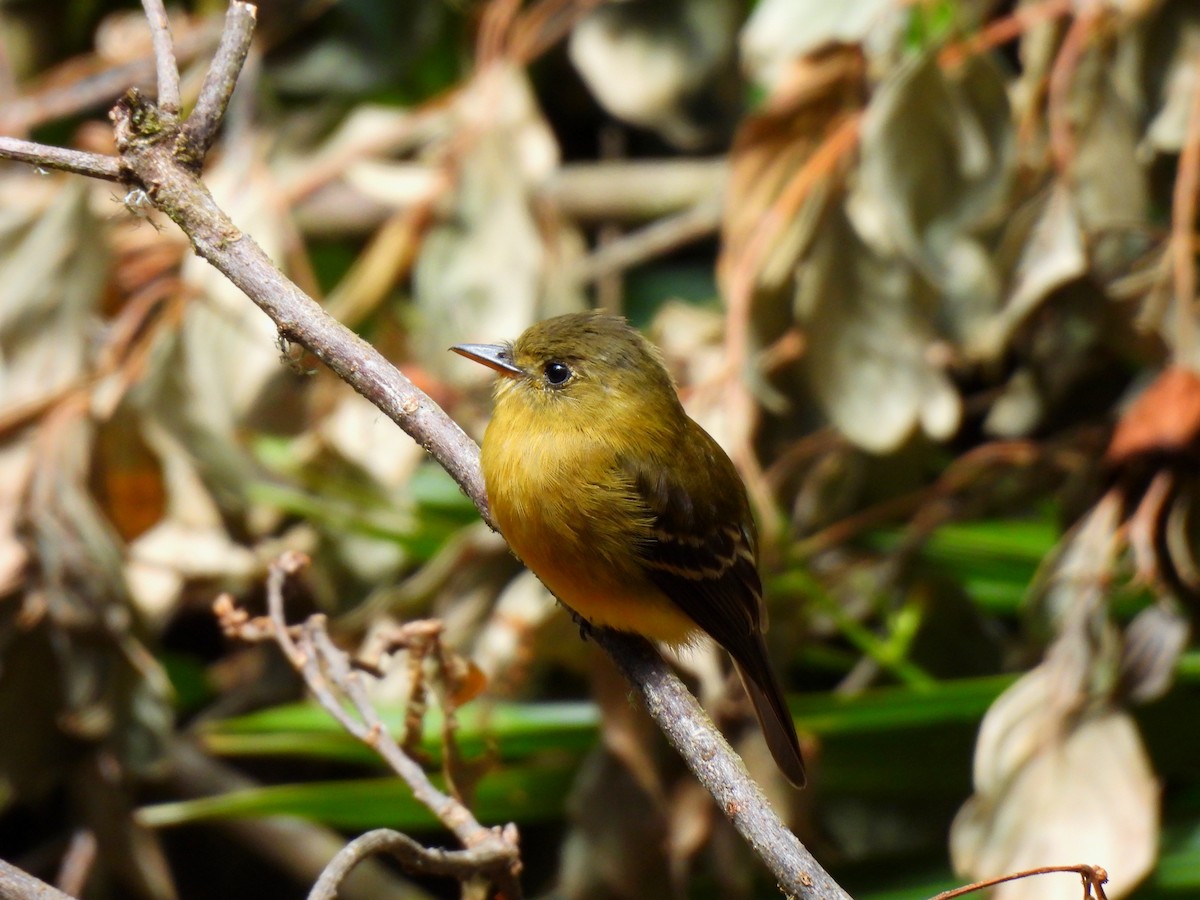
567 511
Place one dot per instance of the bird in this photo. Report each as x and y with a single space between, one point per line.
625 508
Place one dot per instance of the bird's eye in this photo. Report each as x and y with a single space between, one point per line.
557 373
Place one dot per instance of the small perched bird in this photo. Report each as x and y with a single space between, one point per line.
624 507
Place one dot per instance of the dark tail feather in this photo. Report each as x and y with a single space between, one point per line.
773 716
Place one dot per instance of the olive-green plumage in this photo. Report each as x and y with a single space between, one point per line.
627 510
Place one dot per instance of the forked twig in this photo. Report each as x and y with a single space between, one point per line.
341 691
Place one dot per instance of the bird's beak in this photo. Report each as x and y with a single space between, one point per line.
494 356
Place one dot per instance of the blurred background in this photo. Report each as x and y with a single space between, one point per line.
926 268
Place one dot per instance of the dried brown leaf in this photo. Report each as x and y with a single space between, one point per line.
666 65
937 158
1165 419
870 336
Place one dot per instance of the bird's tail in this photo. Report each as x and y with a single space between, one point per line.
766 694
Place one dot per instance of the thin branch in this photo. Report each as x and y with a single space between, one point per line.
719 768
1183 230
1062 74
166 67
202 125
16 884
178 193
333 681
54 99
650 241
93 165
1094 878
460 864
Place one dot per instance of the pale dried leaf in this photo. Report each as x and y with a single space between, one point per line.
780 31
396 184
358 431
657 64
52 270
1054 255
508 638
1085 793
937 156
1153 643
870 340
1106 143
692 341
1168 50
160 561
1018 409
1072 590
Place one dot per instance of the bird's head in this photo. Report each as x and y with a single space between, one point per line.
581 366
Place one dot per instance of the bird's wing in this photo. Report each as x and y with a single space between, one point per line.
700 550
701 553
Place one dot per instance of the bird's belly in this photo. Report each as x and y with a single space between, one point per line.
588 561
611 598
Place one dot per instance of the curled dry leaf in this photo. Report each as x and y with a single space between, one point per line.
664 65
770 152
937 159
1151 453
1060 773
870 336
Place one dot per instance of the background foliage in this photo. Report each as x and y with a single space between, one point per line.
926 269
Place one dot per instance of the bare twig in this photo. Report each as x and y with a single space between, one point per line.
77 862
1093 878
202 125
1183 230
1062 73
1003 30
652 240
92 165
460 864
328 672
16 884
99 86
165 66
